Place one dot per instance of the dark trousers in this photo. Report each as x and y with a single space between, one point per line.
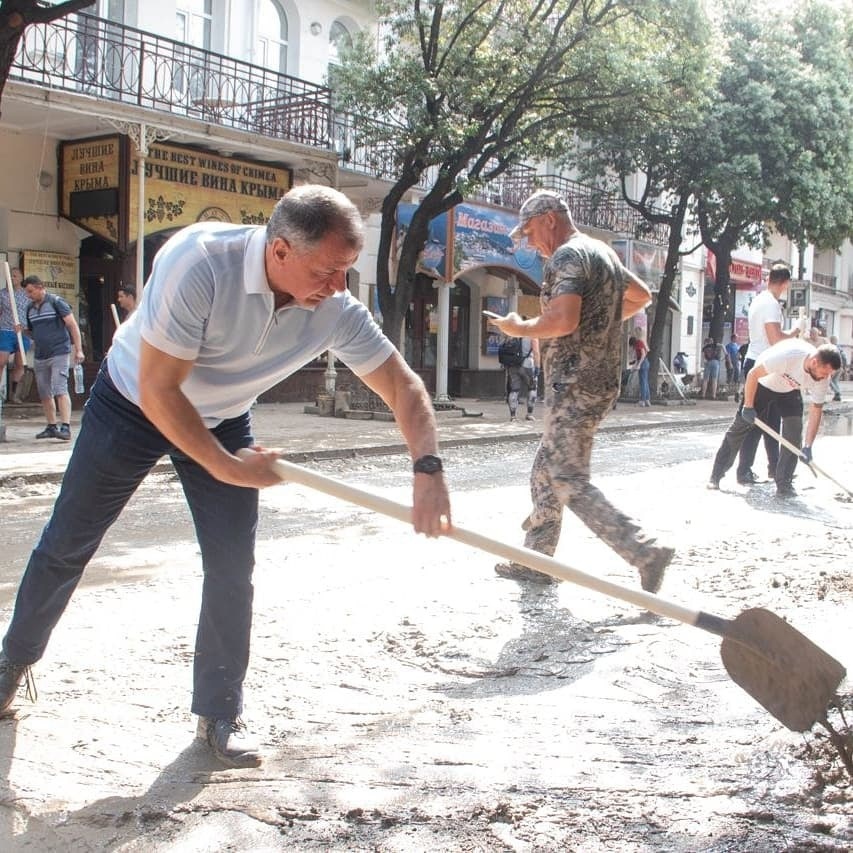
749 447
115 449
790 406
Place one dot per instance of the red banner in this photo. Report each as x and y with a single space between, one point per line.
740 272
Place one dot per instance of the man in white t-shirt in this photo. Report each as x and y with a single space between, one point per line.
765 329
228 312
775 382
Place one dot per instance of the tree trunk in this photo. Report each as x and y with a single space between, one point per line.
722 307
801 259
673 256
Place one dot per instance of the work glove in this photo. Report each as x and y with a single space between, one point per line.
806 455
748 414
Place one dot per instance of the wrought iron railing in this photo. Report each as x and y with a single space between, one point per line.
93 56
101 58
590 206
829 281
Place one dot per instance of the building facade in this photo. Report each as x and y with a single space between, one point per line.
123 125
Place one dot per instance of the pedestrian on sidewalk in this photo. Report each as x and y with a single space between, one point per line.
56 337
733 363
228 312
641 365
840 373
711 370
519 357
775 383
126 298
586 294
765 329
9 346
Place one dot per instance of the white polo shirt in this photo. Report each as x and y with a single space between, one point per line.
208 301
764 308
786 371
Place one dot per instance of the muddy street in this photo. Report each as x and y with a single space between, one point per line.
408 699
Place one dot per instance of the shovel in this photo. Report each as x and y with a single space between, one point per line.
781 669
796 451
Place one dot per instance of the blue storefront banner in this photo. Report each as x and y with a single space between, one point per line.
480 239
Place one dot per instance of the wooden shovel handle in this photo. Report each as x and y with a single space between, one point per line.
17 320
796 451
523 556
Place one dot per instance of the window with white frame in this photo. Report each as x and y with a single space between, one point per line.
194 19
271 47
193 22
340 40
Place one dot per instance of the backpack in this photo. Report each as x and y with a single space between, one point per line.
50 299
510 354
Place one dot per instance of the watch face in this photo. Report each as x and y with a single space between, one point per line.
427 465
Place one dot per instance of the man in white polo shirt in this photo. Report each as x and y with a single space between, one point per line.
765 329
228 312
775 383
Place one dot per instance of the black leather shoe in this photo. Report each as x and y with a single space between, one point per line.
747 479
229 741
785 490
11 676
50 431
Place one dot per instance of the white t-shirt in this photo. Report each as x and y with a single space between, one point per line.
786 371
764 308
208 301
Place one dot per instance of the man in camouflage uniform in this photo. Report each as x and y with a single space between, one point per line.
586 295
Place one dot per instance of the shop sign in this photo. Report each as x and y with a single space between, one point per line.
480 238
90 181
60 274
185 185
744 274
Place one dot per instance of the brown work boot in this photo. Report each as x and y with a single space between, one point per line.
517 572
11 676
229 741
652 566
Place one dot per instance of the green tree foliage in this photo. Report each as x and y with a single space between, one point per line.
662 147
459 92
777 137
815 194
17 15
760 139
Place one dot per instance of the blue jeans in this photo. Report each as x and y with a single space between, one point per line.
115 449
645 394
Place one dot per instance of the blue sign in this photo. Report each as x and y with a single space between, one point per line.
481 239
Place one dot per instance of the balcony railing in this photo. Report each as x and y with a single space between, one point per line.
828 281
93 56
100 58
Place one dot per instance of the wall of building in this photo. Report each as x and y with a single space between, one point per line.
29 219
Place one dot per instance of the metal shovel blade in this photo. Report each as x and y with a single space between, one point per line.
781 669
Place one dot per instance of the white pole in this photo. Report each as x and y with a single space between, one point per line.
17 321
442 342
142 151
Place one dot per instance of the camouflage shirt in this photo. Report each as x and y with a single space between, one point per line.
589 356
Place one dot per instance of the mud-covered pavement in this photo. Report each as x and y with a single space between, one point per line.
410 700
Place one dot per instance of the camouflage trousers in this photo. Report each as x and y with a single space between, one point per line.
560 478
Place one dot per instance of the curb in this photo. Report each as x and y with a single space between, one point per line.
301 457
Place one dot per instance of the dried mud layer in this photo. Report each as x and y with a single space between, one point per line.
407 699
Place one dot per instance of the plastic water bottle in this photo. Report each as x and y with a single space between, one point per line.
79 387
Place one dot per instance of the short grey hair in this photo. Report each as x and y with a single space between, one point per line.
306 214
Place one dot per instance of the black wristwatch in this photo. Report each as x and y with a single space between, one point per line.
427 465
